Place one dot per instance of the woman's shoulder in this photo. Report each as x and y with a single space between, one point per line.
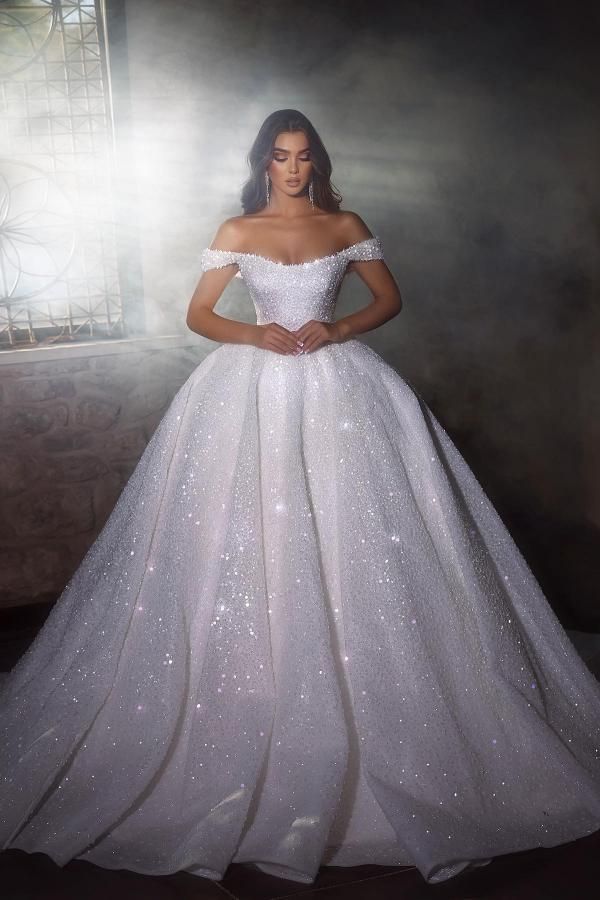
237 231
351 227
228 234
348 227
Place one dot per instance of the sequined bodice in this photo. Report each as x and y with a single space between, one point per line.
292 293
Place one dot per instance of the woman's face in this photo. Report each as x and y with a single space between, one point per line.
291 167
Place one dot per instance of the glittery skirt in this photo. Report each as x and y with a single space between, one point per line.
303 637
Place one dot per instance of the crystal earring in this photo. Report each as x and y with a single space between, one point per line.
267 181
311 195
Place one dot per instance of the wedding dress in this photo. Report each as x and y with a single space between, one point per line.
303 637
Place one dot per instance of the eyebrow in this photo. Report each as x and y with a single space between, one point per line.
283 150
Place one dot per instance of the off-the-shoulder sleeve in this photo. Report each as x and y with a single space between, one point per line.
216 259
370 248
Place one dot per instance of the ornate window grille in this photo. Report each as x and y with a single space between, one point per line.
58 250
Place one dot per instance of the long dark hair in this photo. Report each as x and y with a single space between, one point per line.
254 192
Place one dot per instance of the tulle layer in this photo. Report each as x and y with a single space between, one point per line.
303 637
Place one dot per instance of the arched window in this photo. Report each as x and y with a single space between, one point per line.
59 265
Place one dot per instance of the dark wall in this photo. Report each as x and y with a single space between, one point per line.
466 134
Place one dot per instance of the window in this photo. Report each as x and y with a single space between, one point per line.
59 267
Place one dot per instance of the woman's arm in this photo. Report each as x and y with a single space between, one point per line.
385 305
200 316
386 302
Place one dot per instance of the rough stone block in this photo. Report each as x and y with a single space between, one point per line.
127 444
58 442
75 467
19 423
52 513
93 412
16 473
39 389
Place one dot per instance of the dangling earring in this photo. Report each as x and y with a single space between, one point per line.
311 195
267 181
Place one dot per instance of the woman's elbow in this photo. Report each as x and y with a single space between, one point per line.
189 321
394 303
194 319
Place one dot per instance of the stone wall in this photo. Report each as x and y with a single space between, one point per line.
74 422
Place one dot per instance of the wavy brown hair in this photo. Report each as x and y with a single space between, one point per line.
254 192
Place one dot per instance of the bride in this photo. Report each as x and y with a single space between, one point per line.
296 214
304 636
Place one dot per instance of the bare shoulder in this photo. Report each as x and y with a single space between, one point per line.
352 228
229 234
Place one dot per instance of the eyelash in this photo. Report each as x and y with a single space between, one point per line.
276 159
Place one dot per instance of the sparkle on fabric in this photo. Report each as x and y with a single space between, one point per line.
304 637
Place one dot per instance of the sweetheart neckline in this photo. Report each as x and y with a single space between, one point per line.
307 262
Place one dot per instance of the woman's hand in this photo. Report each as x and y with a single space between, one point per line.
276 338
313 334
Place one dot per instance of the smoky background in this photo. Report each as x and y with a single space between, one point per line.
467 136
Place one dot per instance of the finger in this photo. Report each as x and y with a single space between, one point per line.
305 330
310 341
279 346
290 339
304 334
281 338
284 332
319 341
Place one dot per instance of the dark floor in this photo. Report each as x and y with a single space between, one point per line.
567 872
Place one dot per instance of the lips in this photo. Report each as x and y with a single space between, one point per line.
293 182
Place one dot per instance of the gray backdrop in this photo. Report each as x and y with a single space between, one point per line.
466 135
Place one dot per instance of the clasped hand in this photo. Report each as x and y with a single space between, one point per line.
310 336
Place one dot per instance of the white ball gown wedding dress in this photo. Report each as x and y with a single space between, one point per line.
303 637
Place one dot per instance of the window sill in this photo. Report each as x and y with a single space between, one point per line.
101 348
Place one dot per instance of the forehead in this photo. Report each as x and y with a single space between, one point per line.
291 140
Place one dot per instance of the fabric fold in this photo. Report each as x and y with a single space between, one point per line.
303 637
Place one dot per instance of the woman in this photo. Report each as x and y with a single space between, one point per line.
292 211
304 636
